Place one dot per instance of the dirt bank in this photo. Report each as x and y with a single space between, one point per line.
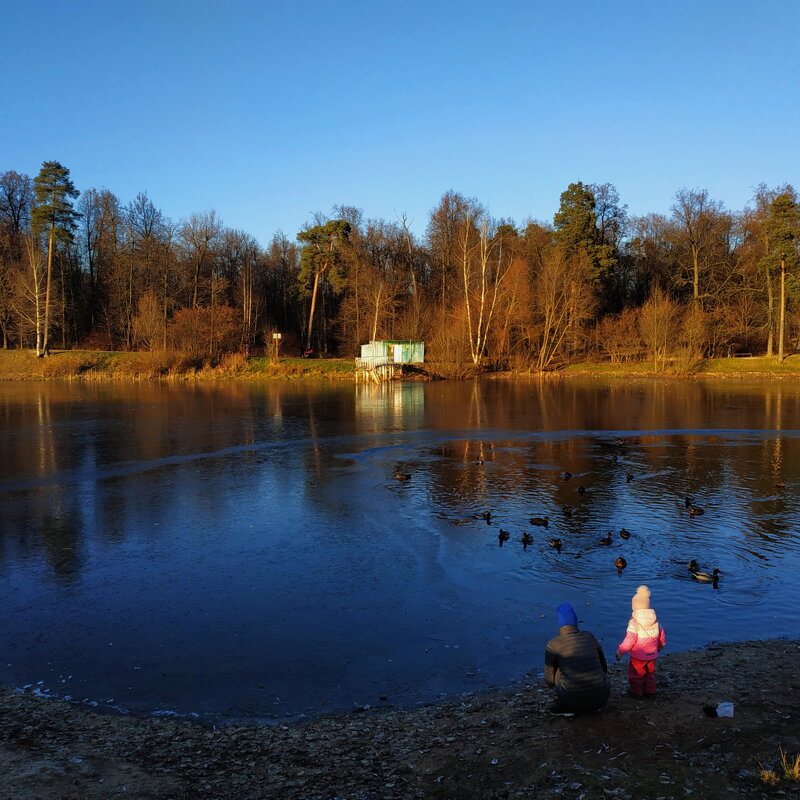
501 744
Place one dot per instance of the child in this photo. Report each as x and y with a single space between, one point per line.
643 639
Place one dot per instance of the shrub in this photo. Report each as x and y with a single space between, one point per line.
233 364
619 336
203 331
148 324
96 340
657 325
67 365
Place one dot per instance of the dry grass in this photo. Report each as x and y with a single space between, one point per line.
453 370
161 364
67 365
686 361
233 364
791 767
153 364
788 771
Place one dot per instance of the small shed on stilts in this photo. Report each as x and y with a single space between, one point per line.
386 360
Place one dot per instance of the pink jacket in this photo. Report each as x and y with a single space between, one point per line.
644 637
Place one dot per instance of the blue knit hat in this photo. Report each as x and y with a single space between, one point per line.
566 615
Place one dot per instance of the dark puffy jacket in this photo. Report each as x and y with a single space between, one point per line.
574 663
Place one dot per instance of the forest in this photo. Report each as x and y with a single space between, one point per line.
87 270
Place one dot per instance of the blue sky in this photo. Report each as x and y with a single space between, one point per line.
270 111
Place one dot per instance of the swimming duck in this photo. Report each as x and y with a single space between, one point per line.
487 515
628 477
526 540
706 577
401 476
543 521
567 476
781 484
620 563
605 540
624 534
566 511
695 511
581 489
503 536
555 543
687 501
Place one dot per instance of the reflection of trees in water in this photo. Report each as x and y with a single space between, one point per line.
479 472
82 430
61 540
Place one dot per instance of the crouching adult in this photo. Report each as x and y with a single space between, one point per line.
574 664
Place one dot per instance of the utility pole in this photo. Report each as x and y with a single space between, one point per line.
783 306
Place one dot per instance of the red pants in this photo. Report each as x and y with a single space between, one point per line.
642 677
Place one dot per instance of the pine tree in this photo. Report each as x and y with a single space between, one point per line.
319 254
577 230
52 215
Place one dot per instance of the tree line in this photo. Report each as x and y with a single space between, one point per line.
85 270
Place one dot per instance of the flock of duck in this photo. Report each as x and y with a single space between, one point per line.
620 562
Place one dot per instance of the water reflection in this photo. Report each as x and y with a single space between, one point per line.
340 542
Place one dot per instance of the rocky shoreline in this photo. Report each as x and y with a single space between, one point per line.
494 745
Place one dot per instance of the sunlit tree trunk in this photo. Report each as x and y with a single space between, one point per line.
46 324
34 262
375 315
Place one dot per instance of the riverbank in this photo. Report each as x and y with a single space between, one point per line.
750 367
500 744
92 365
103 366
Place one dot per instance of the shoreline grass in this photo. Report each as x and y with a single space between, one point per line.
94 365
163 365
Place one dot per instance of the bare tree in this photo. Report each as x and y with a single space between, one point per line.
563 301
31 291
698 221
658 320
484 266
148 328
198 236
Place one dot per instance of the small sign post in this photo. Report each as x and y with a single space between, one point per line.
276 338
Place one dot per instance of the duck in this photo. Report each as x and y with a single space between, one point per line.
624 534
620 563
402 476
567 476
566 511
503 536
605 540
695 511
581 489
707 577
687 501
543 521
526 540
780 484
628 477
487 515
555 543
479 462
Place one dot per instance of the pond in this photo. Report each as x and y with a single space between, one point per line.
246 551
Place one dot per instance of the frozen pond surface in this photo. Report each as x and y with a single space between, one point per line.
245 551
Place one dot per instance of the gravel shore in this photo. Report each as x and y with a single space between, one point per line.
492 745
